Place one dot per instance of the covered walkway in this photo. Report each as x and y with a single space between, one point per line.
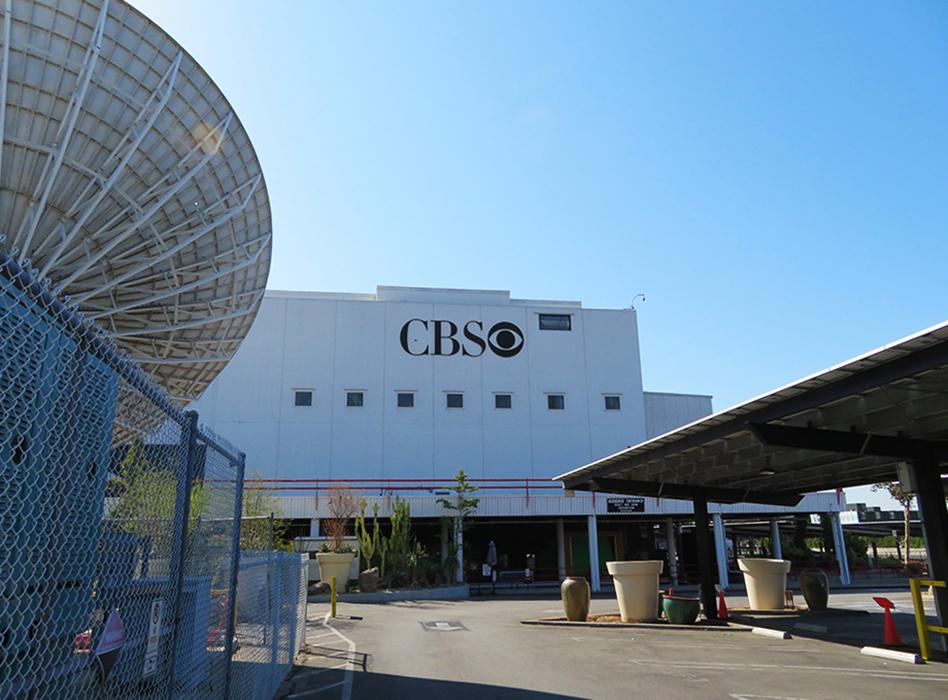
882 416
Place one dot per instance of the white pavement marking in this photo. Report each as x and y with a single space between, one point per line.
320 636
347 680
308 693
844 671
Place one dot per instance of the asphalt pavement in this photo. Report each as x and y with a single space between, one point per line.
478 649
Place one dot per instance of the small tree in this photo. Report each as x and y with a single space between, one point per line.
462 504
894 489
368 544
255 525
342 507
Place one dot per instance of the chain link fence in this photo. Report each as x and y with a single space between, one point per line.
119 528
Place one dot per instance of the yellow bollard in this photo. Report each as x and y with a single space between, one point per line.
333 595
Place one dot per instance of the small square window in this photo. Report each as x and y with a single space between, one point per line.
613 403
455 400
355 399
303 397
555 402
406 399
556 322
503 401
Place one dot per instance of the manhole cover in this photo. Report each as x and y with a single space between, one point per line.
443 626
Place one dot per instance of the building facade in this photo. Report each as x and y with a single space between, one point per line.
392 393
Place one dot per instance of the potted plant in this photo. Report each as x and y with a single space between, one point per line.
680 610
636 585
575 594
815 587
766 582
335 557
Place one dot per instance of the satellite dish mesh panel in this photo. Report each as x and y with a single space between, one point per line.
127 180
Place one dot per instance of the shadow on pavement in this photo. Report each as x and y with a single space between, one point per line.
857 628
381 685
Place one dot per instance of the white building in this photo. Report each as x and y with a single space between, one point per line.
414 384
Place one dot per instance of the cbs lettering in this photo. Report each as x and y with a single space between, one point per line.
445 338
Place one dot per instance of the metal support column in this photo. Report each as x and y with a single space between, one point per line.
234 567
930 497
720 550
776 548
839 544
560 549
592 527
314 527
704 544
672 549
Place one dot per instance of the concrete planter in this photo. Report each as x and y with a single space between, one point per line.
335 564
815 587
680 610
636 585
766 582
575 593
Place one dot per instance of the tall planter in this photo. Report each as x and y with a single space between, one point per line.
636 584
815 587
335 564
575 593
766 582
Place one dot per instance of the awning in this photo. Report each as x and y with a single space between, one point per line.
849 425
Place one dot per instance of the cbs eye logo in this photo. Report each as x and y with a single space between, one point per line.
438 337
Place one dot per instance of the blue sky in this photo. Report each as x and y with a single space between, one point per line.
771 175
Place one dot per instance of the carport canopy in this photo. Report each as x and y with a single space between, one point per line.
877 417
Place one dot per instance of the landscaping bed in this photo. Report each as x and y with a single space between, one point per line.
614 621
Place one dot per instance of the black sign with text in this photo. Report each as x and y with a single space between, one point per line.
629 504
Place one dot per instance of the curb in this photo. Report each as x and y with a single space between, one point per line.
891 654
727 627
438 593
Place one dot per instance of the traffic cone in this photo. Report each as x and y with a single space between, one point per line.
722 606
891 636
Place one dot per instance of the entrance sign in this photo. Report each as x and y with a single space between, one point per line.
630 504
154 636
110 644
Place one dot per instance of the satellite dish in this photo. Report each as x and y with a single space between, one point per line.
127 180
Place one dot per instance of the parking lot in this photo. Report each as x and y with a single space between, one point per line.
479 649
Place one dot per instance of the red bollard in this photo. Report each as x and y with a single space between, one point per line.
722 606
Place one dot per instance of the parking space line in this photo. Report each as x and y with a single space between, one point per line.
347 680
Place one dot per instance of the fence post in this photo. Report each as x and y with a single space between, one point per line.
275 596
234 567
179 545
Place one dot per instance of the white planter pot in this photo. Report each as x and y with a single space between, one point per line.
636 585
335 564
766 582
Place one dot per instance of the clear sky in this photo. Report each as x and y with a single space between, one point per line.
772 175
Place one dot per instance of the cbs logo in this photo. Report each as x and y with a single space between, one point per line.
439 337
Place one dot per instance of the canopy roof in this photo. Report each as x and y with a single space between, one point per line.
849 425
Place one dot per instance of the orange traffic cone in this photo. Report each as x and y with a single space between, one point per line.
890 635
722 606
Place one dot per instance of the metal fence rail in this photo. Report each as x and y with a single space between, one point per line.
119 522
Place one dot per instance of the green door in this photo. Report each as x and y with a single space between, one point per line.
579 551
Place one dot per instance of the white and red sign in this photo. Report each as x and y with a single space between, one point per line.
110 643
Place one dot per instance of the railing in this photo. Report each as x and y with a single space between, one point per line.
915 585
392 486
